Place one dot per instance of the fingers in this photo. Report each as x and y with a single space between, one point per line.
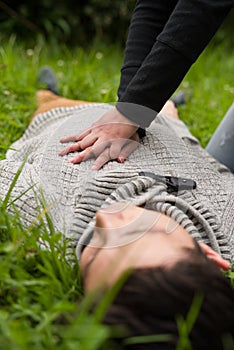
128 148
115 148
72 138
90 152
70 149
89 140
77 137
101 160
103 151
82 156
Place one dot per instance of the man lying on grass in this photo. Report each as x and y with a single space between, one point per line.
165 214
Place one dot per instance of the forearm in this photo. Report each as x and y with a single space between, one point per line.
191 26
148 20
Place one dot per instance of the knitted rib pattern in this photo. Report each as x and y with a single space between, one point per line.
73 193
187 211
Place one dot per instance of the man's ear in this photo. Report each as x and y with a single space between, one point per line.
215 257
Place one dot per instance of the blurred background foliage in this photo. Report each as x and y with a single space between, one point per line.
70 21
74 22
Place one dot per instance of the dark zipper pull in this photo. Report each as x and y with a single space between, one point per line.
173 183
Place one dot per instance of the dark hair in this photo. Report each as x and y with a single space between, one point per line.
152 299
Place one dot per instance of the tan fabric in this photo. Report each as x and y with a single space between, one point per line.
47 100
73 193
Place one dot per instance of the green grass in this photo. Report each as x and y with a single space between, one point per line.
94 75
89 75
41 299
210 85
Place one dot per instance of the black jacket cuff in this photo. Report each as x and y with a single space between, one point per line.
138 114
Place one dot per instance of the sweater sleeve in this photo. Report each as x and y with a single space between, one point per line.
169 48
148 20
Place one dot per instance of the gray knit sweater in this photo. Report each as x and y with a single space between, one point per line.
73 193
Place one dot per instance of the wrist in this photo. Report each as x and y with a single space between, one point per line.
138 114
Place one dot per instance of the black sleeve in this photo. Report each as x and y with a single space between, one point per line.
148 20
150 77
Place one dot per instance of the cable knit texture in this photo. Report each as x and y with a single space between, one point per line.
73 193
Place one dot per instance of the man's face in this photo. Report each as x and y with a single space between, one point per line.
127 237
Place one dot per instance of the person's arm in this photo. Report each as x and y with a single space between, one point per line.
148 20
189 29
144 89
